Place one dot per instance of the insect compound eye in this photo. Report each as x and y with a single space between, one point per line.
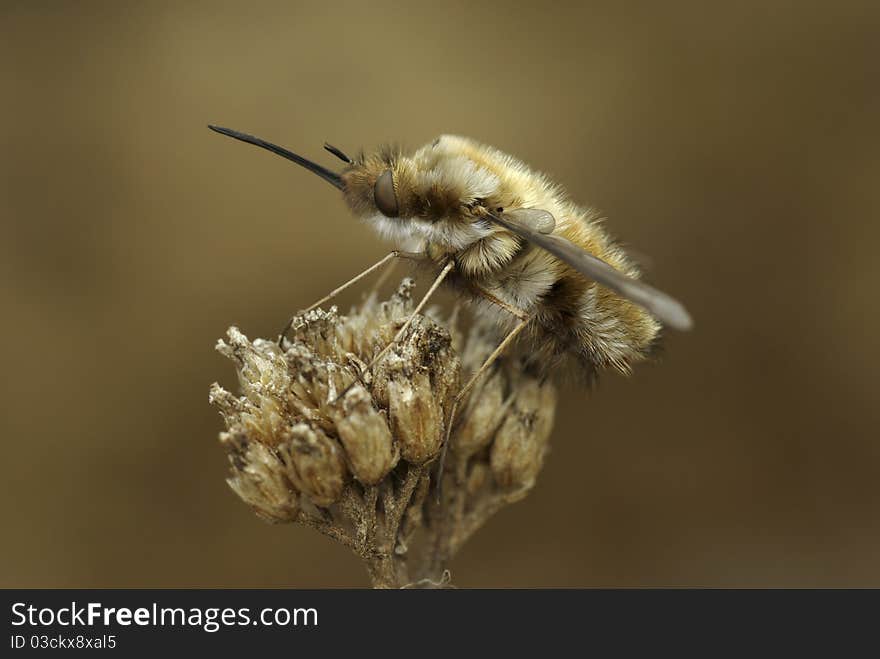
383 194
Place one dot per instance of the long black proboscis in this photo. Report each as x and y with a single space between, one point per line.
331 177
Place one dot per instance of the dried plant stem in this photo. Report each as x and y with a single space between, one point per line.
379 515
447 524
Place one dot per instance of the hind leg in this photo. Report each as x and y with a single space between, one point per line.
336 291
487 364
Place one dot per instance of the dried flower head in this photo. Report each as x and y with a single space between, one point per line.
360 467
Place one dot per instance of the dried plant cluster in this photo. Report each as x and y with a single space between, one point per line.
363 469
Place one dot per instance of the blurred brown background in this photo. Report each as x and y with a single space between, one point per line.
735 143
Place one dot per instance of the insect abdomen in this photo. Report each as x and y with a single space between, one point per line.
575 318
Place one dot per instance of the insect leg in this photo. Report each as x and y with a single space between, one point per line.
336 291
421 305
413 256
524 320
491 358
509 308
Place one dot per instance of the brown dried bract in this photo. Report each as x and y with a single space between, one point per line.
362 469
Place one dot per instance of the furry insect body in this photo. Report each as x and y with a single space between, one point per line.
445 191
518 247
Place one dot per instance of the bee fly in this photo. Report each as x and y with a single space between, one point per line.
509 239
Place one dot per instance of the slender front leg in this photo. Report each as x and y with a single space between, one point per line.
439 280
336 291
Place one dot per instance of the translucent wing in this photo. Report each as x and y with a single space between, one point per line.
666 309
534 219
